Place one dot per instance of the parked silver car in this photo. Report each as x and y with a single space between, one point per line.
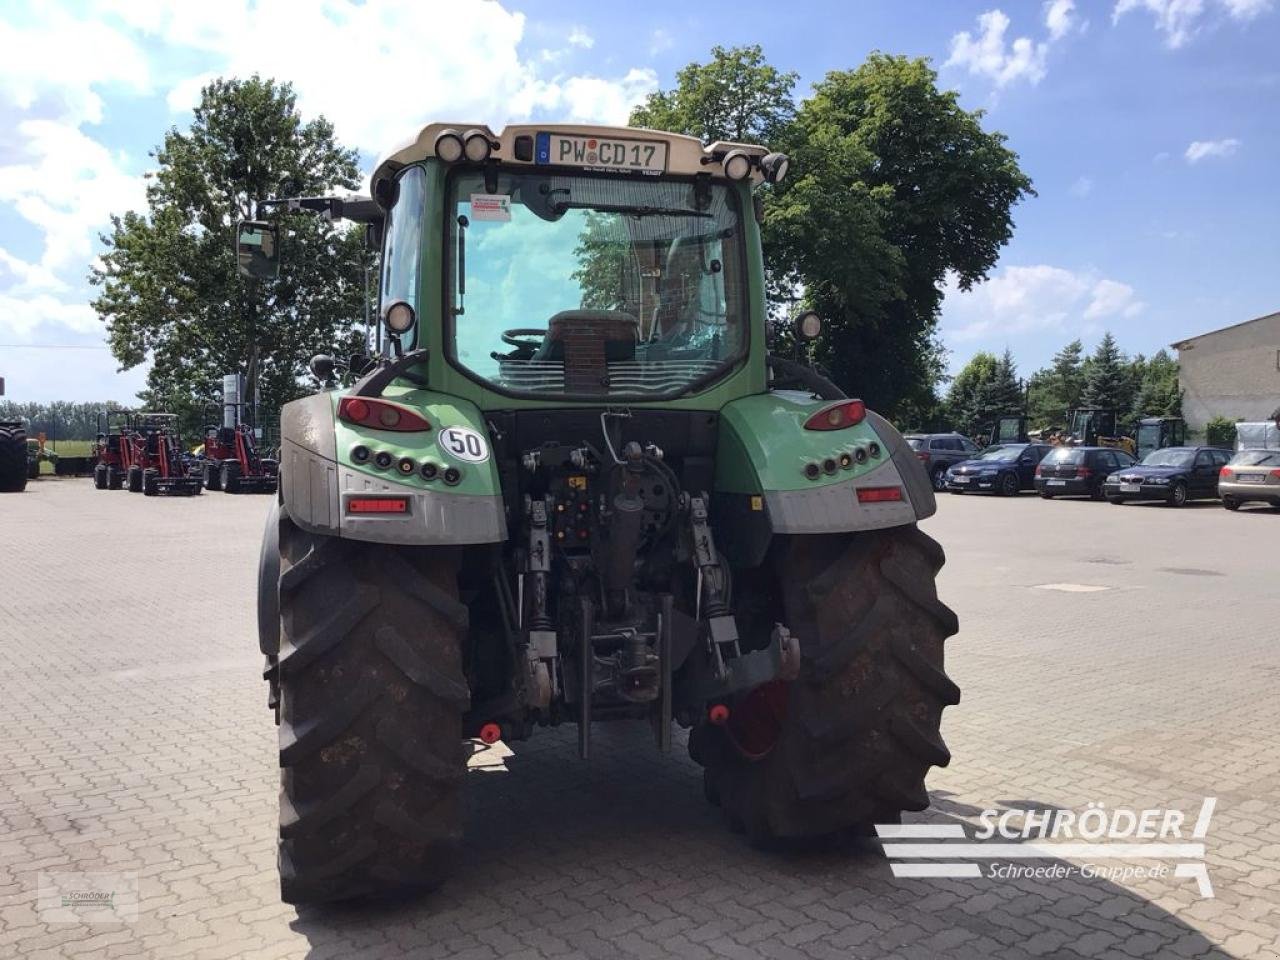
1250 476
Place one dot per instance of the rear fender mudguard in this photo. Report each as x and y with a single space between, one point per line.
269 585
319 476
763 489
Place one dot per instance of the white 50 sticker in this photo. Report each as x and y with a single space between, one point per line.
463 443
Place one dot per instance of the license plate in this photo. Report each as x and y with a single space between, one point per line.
608 153
955 479
1252 477
1057 483
1130 488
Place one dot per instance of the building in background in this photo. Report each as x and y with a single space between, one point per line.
1233 372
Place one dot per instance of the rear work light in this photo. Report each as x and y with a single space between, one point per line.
380 415
879 494
378 505
846 413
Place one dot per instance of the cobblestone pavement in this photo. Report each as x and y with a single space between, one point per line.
135 741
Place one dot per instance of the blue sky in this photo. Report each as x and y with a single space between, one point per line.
1150 128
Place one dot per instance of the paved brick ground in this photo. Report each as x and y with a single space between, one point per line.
135 741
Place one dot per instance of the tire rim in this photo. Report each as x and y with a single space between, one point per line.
940 478
1179 495
1010 484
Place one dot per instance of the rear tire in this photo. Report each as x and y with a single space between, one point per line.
1045 495
212 476
939 479
857 732
115 478
1116 500
100 477
371 696
134 479
1231 503
150 482
13 459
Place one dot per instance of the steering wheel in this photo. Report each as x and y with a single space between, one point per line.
519 337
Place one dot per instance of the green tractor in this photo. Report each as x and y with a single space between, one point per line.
575 487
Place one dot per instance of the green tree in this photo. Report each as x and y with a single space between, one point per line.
736 96
896 188
169 286
1106 380
1053 391
968 395
1157 391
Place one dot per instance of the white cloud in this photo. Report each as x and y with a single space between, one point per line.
1059 18
1082 187
660 41
1202 149
1019 299
461 59
989 54
1180 20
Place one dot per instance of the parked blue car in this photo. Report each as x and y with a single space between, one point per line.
1004 469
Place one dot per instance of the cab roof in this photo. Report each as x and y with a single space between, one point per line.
685 155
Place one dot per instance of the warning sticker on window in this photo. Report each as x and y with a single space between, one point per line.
490 206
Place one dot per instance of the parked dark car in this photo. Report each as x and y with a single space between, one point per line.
1174 475
1069 471
1251 475
1003 468
938 451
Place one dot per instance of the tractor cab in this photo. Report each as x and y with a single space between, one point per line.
1011 429
1097 427
1156 433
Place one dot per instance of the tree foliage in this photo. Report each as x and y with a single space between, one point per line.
1107 382
169 286
985 390
1057 389
735 96
59 420
894 188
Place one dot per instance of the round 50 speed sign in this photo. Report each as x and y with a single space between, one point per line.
463 443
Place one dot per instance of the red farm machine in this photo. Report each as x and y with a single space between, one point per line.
112 449
233 462
156 463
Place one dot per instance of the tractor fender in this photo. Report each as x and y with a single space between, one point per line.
269 584
318 477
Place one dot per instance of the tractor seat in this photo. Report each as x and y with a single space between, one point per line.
587 341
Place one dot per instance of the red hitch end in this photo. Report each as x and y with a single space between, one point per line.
490 733
718 714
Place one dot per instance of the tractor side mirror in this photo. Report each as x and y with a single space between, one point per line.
257 250
373 237
322 366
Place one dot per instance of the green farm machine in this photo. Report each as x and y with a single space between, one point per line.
572 485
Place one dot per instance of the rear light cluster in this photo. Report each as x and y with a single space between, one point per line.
380 415
406 466
1226 472
846 413
844 460
367 505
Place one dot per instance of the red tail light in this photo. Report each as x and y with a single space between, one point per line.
1039 470
921 455
846 413
380 415
879 494
1083 473
1276 474
1226 472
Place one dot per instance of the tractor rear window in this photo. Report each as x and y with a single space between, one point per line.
594 286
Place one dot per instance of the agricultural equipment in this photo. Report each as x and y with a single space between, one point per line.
232 462
576 488
1096 427
1156 433
156 465
14 469
111 449
1012 429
